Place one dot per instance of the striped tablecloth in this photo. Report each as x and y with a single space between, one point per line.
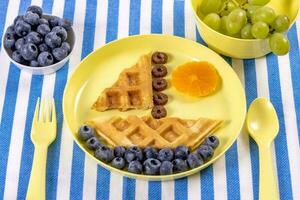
72 175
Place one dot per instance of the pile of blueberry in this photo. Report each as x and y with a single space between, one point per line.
36 41
149 161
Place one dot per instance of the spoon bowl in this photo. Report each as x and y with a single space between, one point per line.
262 121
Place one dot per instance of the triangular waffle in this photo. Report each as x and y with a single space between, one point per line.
159 133
132 90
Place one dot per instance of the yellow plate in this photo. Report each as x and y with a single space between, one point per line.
101 69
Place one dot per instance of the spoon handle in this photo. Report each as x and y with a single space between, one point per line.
267 183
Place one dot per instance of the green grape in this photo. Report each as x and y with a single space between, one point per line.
281 23
246 32
210 6
259 2
279 44
213 20
227 8
250 10
264 14
260 30
223 25
236 20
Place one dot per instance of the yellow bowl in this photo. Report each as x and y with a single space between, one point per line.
242 48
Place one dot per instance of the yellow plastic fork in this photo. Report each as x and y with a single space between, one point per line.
43 133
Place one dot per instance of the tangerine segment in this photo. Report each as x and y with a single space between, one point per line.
196 79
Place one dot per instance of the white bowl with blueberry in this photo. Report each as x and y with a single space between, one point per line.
39 43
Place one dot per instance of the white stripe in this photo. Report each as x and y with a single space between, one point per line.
290 123
244 159
167 16
123 23
17 135
145 21
101 22
194 185
116 186
66 147
167 190
190 25
12 12
220 184
141 189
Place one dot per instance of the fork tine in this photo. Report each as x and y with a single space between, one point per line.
48 110
42 108
53 112
36 112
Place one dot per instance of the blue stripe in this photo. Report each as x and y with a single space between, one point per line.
295 72
128 189
78 154
3 10
156 16
103 175
284 176
251 94
134 17
8 112
154 190
181 190
28 148
103 181
207 183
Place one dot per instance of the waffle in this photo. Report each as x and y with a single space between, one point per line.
132 90
159 133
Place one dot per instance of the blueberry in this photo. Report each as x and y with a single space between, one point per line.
16 56
206 152
29 51
135 167
52 40
105 154
35 9
34 37
19 43
166 168
118 163
212 141
9 40
22 28
43 21
180 165
44 47
166 154
66 46
93 143
59 53
34 63
150 152
85 132
181 152
45 58
18 18
43 29
67 24
152 166
119 151
53 21
61 32
11 29
133 153
194 160
31 18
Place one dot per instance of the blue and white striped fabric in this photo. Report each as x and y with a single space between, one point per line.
72 175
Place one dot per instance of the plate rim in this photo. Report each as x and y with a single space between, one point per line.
143 176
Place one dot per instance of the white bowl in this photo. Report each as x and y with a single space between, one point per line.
47 69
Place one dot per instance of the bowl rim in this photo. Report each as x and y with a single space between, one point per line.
44 67
234 38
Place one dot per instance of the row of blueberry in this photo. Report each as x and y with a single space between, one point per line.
36 41
149 160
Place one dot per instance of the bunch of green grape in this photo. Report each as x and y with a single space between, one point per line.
247 19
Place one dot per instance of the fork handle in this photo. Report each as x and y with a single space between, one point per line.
268 188
37 187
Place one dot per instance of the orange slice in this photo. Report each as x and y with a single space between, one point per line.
196 79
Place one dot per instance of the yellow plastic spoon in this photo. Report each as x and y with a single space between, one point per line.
262 124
